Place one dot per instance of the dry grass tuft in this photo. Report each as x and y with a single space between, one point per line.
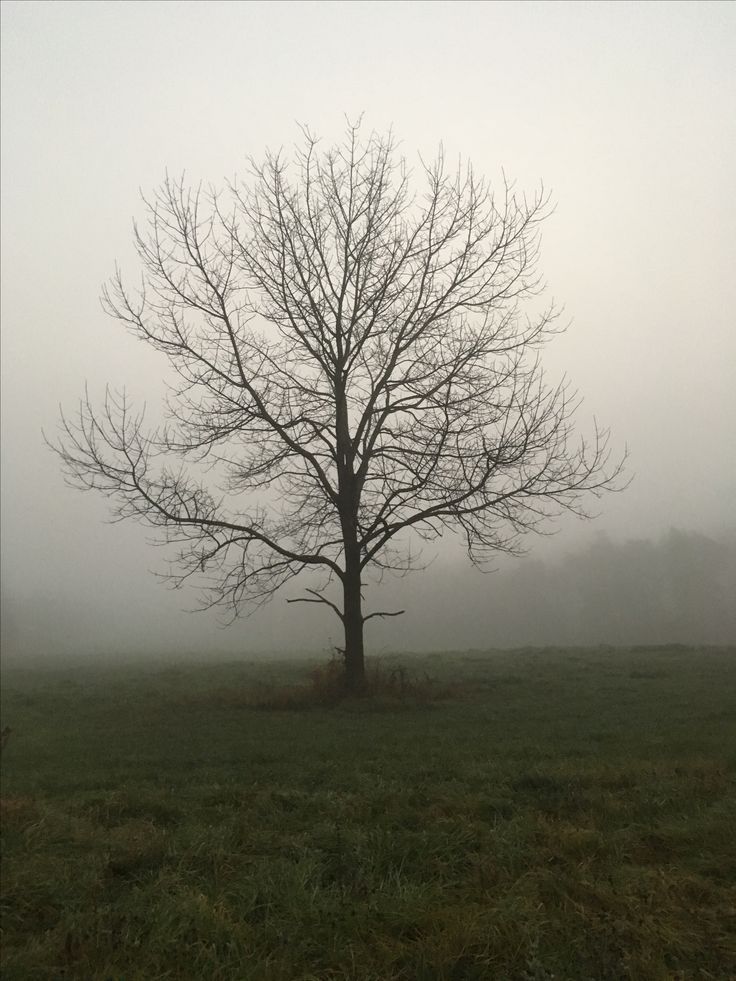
385 687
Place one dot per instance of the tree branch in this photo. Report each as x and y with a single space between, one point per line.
381 613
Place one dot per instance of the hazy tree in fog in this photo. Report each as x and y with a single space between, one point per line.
677 588
355 363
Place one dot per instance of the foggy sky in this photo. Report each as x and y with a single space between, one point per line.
625 111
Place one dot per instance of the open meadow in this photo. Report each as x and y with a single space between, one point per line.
530 815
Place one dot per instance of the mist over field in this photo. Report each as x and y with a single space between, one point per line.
626 114
525 772
676 589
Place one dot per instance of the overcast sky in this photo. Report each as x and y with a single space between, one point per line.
624 110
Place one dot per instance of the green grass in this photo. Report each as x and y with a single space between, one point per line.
564 814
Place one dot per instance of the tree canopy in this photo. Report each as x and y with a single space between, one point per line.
356 351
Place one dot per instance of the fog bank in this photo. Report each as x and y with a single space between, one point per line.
678 588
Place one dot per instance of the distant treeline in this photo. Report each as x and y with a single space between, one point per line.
677 589
680 588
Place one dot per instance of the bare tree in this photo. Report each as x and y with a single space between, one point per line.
353 361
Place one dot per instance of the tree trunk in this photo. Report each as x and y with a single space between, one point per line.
348 505
353 621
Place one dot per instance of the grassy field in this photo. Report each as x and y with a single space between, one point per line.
558 814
